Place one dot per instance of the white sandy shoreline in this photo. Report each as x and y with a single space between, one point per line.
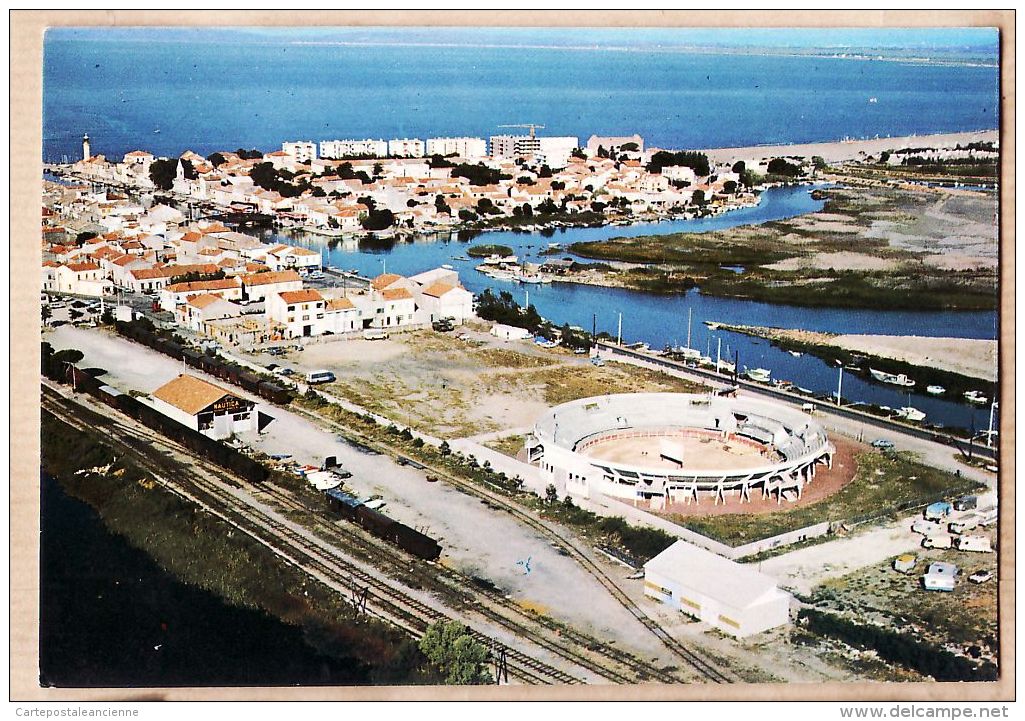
848 149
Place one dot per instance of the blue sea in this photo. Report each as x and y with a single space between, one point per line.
169 90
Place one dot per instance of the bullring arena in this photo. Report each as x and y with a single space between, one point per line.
672 448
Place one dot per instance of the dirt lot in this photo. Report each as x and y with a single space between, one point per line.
963 618
453 388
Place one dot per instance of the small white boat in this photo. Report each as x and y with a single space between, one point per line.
936 390
725 367
910 414
446 266
761 375
975 397
896 380
795 354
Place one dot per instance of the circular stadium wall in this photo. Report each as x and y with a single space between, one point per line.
669 447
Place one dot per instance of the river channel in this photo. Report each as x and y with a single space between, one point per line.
662 320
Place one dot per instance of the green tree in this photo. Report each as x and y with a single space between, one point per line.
216 159
378 219
691 159
456 654
698 198
441 206
730 186
162 172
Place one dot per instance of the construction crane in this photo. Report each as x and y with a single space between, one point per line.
532 126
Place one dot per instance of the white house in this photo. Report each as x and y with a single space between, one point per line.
205 407
509 332
82 279
197 310
341 316
258 286
394 307
732 597
173 295
283 257
444 300
300 313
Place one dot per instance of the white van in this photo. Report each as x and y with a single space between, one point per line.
375 335
320 377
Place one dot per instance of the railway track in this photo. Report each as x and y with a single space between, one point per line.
703 667
447 581
382 600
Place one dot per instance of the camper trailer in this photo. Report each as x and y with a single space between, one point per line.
979 544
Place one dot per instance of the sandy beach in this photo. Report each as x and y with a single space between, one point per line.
970 357
847 150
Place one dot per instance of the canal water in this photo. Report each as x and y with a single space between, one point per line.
662 320
109 616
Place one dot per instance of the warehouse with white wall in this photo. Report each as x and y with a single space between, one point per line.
732 597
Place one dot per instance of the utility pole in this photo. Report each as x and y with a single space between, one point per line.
989 436
619 335
736 365
718 355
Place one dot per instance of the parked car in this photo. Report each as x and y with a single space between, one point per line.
980 576
285 372
596 361
580 351
375 335
272 367
882 443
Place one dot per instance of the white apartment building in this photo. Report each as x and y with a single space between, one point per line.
353 148
514 146
302 150
406 148
463 147
555 151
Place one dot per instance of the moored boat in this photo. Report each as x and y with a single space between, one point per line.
975 397
910 414
936 390
761 375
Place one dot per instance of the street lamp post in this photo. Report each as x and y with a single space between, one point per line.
619 334
839 386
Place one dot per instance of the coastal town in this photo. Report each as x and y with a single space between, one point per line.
374 359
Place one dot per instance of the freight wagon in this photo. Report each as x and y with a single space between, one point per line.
352 509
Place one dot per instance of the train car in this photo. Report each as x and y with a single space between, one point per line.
416 543
193 358
342 503
275 393
110 396
250 381
376 523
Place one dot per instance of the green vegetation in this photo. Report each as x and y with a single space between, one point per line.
886 484
503 309
479 174
270 178
194 277
203 550
162 172
485 251
665 159
902 649
458 657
